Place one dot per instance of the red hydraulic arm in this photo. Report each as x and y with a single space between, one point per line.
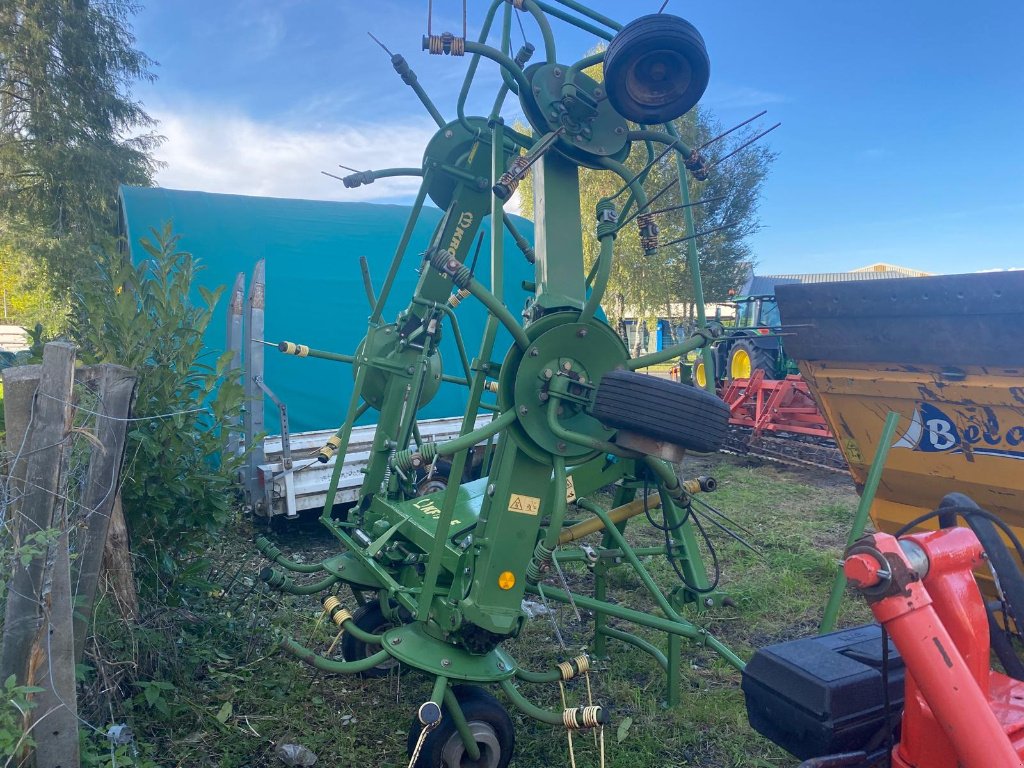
958 712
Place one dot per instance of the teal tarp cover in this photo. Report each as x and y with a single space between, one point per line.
314 290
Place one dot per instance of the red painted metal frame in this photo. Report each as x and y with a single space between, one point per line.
767 405
958 711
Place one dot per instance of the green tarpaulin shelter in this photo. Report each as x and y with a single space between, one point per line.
314 289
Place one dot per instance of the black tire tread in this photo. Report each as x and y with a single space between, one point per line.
662 409
641 32
476 703
759 358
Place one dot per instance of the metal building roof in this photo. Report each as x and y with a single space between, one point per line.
764 285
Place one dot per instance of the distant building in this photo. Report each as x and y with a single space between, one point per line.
764 285
673 329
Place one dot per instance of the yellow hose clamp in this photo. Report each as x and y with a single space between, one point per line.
291 348
691 486
339 615
491 386
456 298
330 448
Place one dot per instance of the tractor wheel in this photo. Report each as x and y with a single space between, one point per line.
700 373
663 410
745 358
489 723
656 69
369 618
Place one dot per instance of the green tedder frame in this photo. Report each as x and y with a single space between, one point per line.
448 570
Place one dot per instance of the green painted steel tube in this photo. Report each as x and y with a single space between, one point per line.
637 642
601 277
504 61
627 551
551 676
545 30
527 707
666 475
590 14
439 689
676 350
403 243
693 260
456 331
578 438
681 628
344 434
266 548
461 452
586 26
427 103
631 180
353 629
461 726
464 442
499 100
587 62
521 242
578 556
860 519
283 583
386 173
506 47
558 514
329 665
660 137
500 311
474 62
317 353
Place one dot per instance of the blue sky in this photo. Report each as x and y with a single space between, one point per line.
901 120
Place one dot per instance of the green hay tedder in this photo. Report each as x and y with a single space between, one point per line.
439 571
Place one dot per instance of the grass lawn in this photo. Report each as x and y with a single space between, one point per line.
234 697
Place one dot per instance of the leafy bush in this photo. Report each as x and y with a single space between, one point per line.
176 490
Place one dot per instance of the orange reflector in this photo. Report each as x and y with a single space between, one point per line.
506 580
764 331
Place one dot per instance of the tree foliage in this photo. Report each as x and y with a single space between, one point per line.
69 130
647 286
176 492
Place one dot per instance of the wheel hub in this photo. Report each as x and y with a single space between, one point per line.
453 754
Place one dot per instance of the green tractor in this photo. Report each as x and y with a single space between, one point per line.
753 342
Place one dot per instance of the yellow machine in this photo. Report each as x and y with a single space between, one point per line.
947 354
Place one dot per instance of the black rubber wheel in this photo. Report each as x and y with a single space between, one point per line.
437 481
369 618
656 69
745 357
661 409
487 719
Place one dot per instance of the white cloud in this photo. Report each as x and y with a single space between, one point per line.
210 150
741 97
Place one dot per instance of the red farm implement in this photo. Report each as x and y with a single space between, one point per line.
769 405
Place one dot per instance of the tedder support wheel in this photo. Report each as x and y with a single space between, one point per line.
489 723
369 618
656 69
662 410
745 358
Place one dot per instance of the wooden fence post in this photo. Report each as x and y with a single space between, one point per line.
234 345
253 350
114 387
37 620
